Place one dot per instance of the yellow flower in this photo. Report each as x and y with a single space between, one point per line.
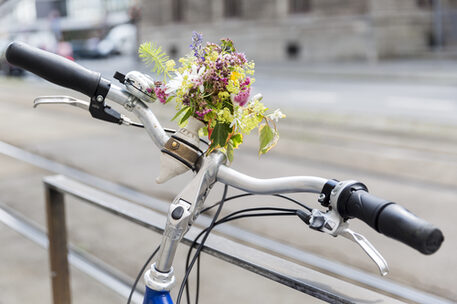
224 116
213 56
233 86
170 65
223 95
235 75
250 67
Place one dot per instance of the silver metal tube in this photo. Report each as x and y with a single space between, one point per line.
191 200
250 184
118 95
142 111
168 248
151 123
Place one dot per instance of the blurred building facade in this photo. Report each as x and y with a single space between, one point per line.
304 30
18 16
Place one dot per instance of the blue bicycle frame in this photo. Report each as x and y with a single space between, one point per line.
157 297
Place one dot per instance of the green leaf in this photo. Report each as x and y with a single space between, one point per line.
186 116
153 55
220 135
170 98
228 104
204 131
227 45
230 151
236 140
180 112
267 138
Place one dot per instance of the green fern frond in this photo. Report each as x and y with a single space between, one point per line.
154 56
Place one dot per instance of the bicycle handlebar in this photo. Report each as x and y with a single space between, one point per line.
69 74
53 68
389 219
310 184
385 217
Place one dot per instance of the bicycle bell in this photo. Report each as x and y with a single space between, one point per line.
137 84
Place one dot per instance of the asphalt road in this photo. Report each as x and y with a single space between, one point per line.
405 157
428 103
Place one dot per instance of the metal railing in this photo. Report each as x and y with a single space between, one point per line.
285 272
120 283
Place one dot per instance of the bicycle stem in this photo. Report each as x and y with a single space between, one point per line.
182 212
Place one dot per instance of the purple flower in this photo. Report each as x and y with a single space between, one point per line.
160 93
243 97
241 57
246 82
196 45
203 113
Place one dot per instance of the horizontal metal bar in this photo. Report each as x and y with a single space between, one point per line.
329 266
289 184
285 272
85 262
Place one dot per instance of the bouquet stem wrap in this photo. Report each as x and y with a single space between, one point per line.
181 151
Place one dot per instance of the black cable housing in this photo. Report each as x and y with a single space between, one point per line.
232 216
132 290
210 227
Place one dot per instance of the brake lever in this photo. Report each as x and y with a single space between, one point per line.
331 222
85 105
68 100
369 249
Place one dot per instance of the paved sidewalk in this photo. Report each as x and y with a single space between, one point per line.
430 71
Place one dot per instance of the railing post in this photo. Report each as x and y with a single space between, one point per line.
58 251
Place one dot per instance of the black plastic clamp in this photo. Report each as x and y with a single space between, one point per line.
120 77
324 197
98 108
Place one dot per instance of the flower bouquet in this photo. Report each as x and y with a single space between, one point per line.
213 85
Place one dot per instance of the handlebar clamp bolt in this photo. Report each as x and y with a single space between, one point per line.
321 198
100 98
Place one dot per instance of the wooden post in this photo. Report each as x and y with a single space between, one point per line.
58 251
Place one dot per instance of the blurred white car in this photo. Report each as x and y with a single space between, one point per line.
121 39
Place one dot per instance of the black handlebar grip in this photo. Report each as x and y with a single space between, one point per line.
389 219
53 68
398 223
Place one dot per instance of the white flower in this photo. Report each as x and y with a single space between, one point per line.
183 79
174 84
276 115
257 96
194 74
237 117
